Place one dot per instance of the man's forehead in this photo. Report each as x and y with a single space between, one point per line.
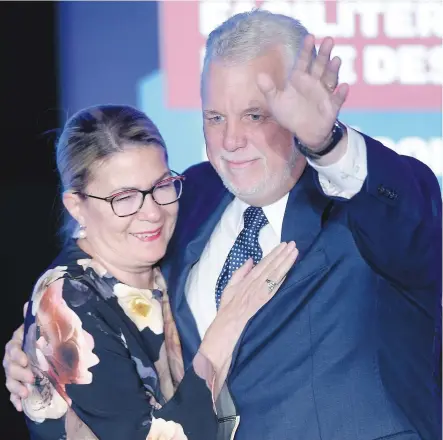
239 81
239 102
270 63
232 90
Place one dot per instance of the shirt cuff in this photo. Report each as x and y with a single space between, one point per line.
345 178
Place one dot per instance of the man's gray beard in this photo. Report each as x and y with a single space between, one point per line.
269 183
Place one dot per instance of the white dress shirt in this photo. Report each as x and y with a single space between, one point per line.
342 179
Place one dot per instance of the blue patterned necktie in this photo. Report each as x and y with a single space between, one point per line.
245 247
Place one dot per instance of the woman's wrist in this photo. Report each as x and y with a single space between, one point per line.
220 340
214 376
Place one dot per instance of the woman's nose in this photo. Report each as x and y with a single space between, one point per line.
150 210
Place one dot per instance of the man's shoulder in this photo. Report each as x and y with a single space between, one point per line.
203 190
202 173
199 167
202 182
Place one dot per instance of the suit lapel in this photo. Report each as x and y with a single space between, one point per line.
303 216
302 223
197 228
303 220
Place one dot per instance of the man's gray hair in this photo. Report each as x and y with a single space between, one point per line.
248 35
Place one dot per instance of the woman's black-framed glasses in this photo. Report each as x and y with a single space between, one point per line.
129 202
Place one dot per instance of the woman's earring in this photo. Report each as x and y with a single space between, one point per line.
82 232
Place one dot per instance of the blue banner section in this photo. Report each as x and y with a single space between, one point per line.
113 52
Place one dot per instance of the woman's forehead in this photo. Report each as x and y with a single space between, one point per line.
131 168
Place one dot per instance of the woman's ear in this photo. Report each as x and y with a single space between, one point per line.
73 204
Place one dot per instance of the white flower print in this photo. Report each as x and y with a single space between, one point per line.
141 307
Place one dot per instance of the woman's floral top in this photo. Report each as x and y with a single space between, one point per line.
107 360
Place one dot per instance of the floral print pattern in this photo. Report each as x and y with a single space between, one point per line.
140 306
62 350
66 349
172 342
94 265
107 359
40 288
166 430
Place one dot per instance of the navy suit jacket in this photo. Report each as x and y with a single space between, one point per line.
348 349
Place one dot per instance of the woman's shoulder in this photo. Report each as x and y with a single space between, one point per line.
84 285
73 283
77 283
75 263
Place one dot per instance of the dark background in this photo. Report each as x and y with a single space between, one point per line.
31 96
29 194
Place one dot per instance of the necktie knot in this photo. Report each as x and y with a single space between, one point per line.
254 218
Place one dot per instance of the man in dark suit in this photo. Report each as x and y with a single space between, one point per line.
348 348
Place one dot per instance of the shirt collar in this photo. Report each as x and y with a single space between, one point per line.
274 212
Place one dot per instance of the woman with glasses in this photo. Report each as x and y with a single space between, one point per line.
99 333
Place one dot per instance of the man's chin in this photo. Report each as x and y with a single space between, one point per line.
260 193
241 190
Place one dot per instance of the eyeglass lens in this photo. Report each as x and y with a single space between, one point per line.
129 202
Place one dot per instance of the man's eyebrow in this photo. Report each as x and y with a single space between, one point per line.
211 112
253 110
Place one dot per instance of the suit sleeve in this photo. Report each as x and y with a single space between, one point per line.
396 218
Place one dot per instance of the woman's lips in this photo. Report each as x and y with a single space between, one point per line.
147 236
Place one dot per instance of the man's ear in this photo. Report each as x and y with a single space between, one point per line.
73 204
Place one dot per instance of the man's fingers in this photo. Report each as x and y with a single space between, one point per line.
304 59
16 401
16 355
340 95
322 59
18 334
266 85
329 77
15 372
16 388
